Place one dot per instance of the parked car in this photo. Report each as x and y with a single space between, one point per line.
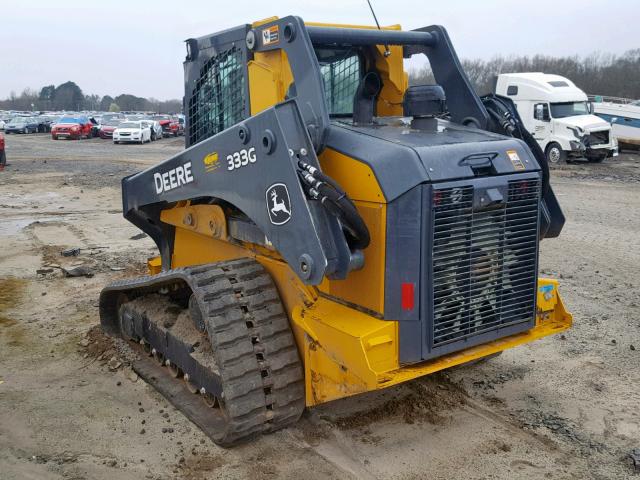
2 124
44 124
170 126
22 125
156 129
52 120
95 127
3 155
111 117
135 132
107 128
73 128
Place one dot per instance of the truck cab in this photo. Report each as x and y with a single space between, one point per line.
559 116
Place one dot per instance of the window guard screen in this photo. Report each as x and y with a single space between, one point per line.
217 101
341 73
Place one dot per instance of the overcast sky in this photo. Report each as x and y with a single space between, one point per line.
115 46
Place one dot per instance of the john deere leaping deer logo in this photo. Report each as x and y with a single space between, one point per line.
278 204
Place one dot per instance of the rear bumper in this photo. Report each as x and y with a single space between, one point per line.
552 317
354 353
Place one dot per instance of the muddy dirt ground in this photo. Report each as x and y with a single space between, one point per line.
566 407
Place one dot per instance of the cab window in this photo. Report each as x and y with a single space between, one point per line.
341 71
541 111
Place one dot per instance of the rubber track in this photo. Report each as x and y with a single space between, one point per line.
252 343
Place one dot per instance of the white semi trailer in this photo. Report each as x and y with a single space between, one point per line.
559 116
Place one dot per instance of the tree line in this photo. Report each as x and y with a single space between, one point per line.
69 96
596 74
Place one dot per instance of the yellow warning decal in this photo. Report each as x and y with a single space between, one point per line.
271 35
515 160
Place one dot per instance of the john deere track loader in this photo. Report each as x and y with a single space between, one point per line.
330 230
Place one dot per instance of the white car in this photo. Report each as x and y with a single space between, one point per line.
137 132
2 124
156 129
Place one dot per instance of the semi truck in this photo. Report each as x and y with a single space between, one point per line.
559 116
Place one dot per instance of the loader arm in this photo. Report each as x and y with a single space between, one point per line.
252 166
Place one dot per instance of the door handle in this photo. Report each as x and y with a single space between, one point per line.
478 160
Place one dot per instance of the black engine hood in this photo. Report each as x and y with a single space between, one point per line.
402 157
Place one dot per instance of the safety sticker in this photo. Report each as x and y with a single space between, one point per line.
211 162
546 288
270 35
515 160
278 204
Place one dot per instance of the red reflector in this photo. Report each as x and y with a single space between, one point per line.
407 296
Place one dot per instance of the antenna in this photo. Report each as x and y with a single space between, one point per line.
387 52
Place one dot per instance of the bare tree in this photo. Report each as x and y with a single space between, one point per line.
598 73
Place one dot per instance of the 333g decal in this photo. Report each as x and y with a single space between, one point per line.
241 158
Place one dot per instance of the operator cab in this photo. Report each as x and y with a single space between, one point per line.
353 89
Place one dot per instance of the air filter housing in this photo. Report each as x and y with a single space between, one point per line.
424 101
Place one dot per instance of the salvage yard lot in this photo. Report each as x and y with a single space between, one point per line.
565 407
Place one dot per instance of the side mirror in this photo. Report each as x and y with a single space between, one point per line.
590 107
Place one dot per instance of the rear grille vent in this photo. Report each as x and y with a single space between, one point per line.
484 263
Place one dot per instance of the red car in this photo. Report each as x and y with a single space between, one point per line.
73 128
3 156
170 125
107 128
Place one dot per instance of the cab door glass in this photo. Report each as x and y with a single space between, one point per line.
541 112
542 125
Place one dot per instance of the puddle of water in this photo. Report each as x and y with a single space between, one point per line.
15 225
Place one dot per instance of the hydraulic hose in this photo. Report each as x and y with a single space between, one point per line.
348 215
506 118
333 197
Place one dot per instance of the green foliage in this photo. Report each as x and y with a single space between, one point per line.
68 96
106 102
131 102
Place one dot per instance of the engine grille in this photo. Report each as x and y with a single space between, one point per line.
484 263
599 138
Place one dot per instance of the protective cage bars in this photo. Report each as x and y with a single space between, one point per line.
218 99
484 266
340 80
